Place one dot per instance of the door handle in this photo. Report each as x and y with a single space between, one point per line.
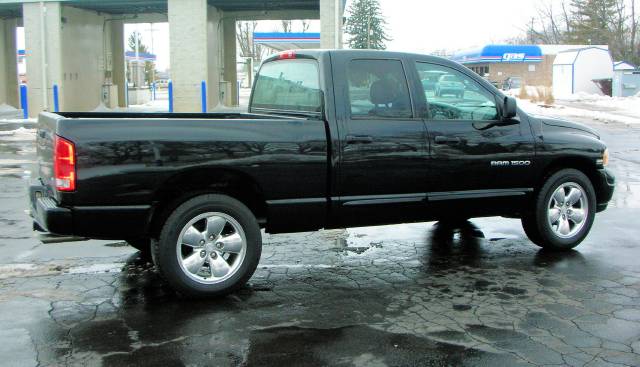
447 140
359 139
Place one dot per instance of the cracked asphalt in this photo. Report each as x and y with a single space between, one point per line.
414 294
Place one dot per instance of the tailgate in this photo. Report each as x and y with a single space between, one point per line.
47 127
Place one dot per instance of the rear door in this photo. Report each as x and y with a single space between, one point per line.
383 152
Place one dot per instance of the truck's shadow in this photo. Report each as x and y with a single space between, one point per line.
464 244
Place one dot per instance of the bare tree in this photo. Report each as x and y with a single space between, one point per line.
635 46
305 25
286 26
553 29
244 35
566 18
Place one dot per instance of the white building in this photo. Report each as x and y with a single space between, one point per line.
575 70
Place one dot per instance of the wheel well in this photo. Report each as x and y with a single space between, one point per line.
187 185
583 165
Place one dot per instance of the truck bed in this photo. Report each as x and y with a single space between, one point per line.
136 159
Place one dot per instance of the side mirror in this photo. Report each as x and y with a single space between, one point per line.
509 108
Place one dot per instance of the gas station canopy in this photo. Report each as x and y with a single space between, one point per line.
13 8
287 41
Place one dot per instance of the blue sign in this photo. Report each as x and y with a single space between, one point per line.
500 54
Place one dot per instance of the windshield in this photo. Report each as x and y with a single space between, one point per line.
288 85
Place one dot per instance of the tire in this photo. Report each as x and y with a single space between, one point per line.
206 226
563 211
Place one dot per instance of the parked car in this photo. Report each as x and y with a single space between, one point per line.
429 79
449 84
513 82
332 139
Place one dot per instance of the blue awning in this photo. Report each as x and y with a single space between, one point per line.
500 54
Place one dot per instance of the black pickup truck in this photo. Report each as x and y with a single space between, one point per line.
331 139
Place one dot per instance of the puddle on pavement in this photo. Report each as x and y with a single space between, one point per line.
364 239
317 347
627 195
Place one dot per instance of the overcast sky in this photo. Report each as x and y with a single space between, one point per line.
425 26
414 25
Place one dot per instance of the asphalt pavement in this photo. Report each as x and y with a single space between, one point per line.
404 295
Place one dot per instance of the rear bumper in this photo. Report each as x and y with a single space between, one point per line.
605 185
47 215
99 222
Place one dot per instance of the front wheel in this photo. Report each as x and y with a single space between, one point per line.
563 211
209 246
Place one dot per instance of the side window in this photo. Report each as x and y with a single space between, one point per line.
452 95
378 88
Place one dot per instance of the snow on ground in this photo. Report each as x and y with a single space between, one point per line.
627 105
19 134
625 110
9 112
6 108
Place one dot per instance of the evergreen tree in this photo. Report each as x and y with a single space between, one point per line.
366 26
592 21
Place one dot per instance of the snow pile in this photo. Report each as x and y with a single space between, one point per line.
102 108
19 134
9 112
96 268
6 108
19 270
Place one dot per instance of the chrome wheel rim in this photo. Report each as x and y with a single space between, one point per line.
567 210
211 247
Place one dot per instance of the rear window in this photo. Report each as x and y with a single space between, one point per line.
289 85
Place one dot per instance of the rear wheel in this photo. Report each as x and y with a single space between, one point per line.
209 246
563 212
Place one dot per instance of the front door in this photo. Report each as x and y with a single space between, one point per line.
383 153
473 153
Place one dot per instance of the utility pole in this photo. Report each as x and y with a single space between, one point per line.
531 31
137 68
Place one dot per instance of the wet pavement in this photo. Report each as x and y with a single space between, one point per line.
415 294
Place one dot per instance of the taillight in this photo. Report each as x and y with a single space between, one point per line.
64 164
